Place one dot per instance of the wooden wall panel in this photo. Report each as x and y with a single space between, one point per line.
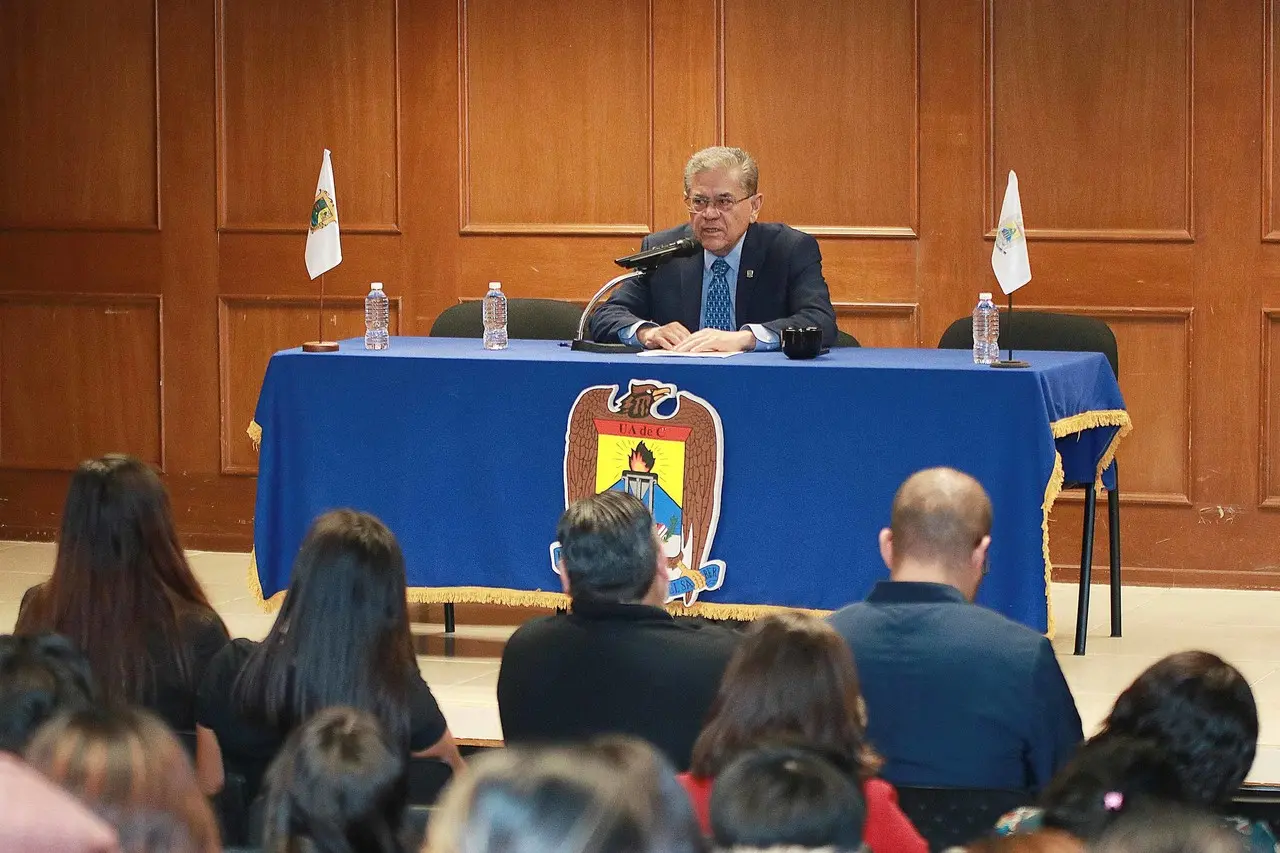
880 324
845 108
253 328
294 78
556 117
100 393
78 115
1091 104
1155 377
1269 432
1270 115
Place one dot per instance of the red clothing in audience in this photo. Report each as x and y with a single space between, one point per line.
887 829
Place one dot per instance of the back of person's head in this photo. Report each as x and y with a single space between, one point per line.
1200 710
118 577
545 800
608 548
1169 830
39 676
940 518
36 816
786 797
125 764
791 681
337 786
342 635
1041 841
1108 778
651 778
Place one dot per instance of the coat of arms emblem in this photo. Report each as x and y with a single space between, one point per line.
666 447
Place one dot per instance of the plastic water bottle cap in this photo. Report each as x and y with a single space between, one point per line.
495 285
984 297
377 285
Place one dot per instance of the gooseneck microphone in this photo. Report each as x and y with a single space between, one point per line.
651 258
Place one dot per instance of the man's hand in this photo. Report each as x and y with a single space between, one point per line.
714 340
662 337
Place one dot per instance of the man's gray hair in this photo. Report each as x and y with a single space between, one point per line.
729 159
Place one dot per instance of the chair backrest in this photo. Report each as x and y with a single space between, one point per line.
844 339
1258 803
528 319
1042 330
951 817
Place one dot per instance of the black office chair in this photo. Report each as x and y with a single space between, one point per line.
844 339
1039 330
952 817
527 319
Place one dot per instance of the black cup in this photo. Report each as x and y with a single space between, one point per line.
802 343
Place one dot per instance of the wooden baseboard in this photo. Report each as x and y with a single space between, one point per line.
1190 578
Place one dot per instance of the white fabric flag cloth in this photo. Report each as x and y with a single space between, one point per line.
324 248
1009 257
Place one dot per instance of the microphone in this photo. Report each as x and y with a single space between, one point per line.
650 258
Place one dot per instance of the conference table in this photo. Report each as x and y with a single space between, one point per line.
461 451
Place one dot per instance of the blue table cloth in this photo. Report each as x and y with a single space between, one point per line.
461 452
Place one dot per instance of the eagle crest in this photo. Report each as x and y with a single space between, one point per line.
666 447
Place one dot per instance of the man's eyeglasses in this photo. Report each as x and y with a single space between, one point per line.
722 203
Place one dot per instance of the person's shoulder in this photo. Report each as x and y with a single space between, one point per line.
231 658
536 631
33 594
781 235
1013 636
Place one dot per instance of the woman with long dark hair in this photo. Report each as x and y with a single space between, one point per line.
792 682
123 592
341 638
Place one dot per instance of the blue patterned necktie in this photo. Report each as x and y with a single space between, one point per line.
718 303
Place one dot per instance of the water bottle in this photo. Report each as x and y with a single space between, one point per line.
986 331
377 316
495 317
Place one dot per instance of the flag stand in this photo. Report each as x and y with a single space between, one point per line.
320 344
1010 361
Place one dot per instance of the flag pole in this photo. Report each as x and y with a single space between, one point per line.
320 344
1010 361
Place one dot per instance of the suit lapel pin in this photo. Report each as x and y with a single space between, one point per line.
751 273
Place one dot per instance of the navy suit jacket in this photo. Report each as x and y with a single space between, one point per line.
785 286
958 695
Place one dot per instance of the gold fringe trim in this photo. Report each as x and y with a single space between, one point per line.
270 605
254 432
1118 418
1051 492
531 598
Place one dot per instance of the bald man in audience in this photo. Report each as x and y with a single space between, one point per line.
957 695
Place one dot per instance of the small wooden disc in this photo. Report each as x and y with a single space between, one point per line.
320 346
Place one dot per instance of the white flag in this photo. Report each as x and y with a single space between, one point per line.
324 248
1009 257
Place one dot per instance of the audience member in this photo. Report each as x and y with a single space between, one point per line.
786 797
792 681
617 662
126 765
337 785
550 800
123 592
1200 711
39 676
341 638
1107 779
1169 831
647 771
958 695
36 816
1041 841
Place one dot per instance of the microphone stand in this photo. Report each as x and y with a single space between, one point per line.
581 343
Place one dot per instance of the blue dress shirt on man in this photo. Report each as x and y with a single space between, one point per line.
957 695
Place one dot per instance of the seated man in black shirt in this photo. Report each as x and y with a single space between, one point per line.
617 663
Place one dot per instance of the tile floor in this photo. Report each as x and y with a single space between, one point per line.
1243 626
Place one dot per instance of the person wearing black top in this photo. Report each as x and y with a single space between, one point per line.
341 638
617 663
123 592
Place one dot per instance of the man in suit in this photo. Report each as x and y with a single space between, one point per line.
750 281
617 662
957 695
